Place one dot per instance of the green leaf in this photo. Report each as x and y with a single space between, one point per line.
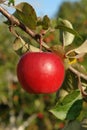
70 30
75 110
62 108
27 14
46 22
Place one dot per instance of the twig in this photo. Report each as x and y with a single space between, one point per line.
84 94
83 76
79 75
15 22
27 122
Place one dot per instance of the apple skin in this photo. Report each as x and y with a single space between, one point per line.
40 72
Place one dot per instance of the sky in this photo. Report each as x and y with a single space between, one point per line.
45 7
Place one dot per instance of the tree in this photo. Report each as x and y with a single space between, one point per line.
71 98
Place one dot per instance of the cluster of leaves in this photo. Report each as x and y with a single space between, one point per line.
66 107
70 102
13 99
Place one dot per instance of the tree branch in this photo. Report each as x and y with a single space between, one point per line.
78 73
14 21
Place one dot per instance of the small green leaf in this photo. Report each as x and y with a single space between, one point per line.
27 14
46 22
62 108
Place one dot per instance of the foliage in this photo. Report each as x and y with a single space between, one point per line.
71 99
78 19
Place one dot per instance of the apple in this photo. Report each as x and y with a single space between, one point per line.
40 72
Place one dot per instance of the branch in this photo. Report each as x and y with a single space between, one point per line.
79 75
83 76
14 21
27 122
84 94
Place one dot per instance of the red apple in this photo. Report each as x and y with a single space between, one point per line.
40 72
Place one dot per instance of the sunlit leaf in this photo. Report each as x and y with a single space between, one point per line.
67 31
82 49
67 36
